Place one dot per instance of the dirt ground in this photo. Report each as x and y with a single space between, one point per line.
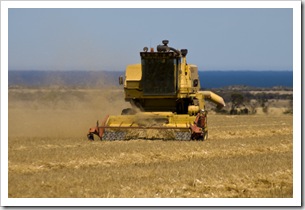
246 156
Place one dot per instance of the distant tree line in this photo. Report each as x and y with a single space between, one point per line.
242 101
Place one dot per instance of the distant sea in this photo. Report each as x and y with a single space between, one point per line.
262 79
208 79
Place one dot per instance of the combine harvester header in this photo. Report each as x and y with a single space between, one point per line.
164 92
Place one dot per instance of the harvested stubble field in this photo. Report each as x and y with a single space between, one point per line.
49 155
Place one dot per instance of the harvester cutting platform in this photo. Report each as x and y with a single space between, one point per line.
164 93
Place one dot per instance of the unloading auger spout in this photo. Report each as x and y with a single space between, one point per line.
213 97
164 93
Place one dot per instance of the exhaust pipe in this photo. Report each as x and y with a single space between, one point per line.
165 48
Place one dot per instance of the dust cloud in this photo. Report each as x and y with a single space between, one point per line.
60 111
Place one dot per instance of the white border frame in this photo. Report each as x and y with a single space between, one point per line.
295 201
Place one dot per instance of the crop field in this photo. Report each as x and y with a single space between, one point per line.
49 156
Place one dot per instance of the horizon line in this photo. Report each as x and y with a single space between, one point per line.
208 70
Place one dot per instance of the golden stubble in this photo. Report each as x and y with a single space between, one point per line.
49 155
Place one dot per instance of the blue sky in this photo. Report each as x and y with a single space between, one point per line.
110 39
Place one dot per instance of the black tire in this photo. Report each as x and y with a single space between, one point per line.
128 111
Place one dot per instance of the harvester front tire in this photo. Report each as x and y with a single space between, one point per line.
128 111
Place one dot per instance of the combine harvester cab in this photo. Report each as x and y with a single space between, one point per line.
164 92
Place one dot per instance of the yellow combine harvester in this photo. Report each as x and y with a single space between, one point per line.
164 91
